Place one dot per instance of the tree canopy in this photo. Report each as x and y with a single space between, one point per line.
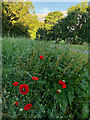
80 6
74 27
18 18
52 17
46 30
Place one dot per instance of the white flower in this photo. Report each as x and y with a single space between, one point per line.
21 109
7 96
63 80
59 90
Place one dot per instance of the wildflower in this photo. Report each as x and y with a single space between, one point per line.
24 89
16 103
7 96
15 83
27 106
41 57
57 114
35 78
61 82
64 86
21 110
58 91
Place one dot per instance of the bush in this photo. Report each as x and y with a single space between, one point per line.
21 62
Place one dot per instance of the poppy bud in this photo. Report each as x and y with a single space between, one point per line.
16 103
58 91
35 78
21 110
64 86
63 80
41 57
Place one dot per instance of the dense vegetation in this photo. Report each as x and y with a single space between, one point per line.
21 62
19 18
24 40
72 29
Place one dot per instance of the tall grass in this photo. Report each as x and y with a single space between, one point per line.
21 62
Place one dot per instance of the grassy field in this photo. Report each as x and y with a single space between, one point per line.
24 43
20 57
73 47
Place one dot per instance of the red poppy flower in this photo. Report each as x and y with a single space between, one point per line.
64 86
35 78
24 89
61 82
27 106
57 114
15 83
41 57
16 103
57 91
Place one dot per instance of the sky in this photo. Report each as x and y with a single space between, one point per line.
46 7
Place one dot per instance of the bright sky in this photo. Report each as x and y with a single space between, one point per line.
46 7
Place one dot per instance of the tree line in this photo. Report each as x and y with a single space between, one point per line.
20 19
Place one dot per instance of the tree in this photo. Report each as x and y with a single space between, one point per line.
41 33
13 15
19 18
73 28
50 21
52 17
80 6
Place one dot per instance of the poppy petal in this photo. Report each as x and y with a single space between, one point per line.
15 83
41 57
61 82
16 103
27 106
35 78
64 86
24 89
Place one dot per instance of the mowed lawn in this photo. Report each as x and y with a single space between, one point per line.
83 49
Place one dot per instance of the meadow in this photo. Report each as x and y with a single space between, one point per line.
21 62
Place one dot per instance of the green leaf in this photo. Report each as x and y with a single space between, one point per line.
71 96
85 110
